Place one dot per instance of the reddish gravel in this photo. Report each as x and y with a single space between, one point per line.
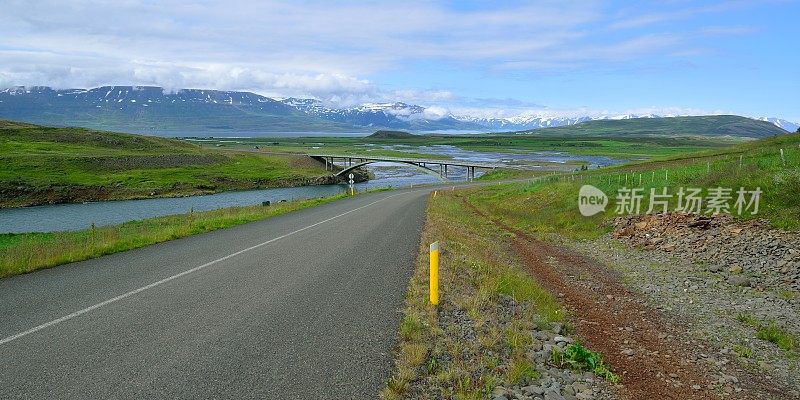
611 319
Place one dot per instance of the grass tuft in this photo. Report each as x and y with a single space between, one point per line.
521 371
743 351
770 332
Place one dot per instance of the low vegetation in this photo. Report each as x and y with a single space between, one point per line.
579 358
55 165
478 271
480 334
751 165
771 333
21 253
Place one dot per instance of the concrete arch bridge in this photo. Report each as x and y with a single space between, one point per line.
435 167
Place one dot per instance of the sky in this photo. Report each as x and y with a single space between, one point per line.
488 58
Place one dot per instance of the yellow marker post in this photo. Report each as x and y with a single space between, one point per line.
434 193
434 278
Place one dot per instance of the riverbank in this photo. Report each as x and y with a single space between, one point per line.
44 165
27 252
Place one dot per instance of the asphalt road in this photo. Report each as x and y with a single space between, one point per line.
304 305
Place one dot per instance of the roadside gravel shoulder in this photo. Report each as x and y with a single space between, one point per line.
708 305
495 329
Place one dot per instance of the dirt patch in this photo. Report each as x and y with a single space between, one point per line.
649 349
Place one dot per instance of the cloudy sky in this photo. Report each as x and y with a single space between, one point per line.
502 58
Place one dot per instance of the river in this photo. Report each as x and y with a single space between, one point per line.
67 217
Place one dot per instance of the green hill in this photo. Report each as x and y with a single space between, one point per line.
709 125
56 165
391 135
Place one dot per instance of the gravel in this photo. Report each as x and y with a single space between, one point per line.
706 272
768 258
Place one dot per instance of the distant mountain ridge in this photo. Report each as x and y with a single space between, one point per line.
202 112
701 125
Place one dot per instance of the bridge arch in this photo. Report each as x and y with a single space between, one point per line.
425 169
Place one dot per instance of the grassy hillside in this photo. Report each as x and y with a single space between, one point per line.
554 199
710 125
52 165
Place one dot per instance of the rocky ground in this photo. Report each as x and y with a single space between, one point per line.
552 382
667 324
749 254
712 274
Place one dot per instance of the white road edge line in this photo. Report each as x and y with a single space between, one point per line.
178 275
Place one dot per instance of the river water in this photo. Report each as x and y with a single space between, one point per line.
66 217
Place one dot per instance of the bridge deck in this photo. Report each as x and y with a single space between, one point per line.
442 161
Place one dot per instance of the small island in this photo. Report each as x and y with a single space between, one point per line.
386 134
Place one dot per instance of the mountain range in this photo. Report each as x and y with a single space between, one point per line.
201 112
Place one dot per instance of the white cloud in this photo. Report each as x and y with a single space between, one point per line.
314 48
435 113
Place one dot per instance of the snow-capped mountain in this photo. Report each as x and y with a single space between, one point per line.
147 109
781 123
391 115
522 122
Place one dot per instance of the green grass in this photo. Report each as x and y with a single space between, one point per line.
522 288
508 174
21 253
477 273
520 371
781 338
743 351
770 332
549 206
46 165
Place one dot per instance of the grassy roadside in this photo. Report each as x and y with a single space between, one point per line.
481 336
509 174
549 206
27 252
471 345
55 165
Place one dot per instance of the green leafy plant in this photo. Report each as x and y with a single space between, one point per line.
580 358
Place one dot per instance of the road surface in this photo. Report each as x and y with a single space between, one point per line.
304 305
